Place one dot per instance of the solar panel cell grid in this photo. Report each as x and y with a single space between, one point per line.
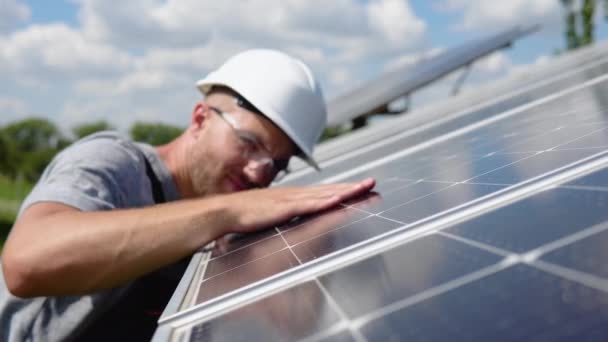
448 198
403 272
588 255
382 202
243 255
597 139
245 274
517 304
532 167
296 313
445 157
477 167
537 220
335 240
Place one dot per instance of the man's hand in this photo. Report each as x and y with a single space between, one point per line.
255 209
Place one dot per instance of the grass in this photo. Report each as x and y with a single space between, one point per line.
13 189
12 194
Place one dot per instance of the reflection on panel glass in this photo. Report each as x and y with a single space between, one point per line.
557 137
329 219
477 167
285 316
587 255
390 184
537 220
516 304
597 179
534 166
244 255
232 242
402 272
246 274
439 201
324 224
379 203
431 168
338 239
597 139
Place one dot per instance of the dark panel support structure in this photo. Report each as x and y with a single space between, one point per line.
371 96
460 81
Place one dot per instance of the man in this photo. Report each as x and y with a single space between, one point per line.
95 224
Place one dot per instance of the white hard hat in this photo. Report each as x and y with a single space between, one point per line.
282 88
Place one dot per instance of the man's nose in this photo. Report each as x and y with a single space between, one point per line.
257 174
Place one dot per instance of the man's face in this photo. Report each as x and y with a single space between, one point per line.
217 160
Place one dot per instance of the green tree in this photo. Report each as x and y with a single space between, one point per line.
332 132
81 131
8 153
580 24
33 134
154 133
35 142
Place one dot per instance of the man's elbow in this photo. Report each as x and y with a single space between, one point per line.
18 274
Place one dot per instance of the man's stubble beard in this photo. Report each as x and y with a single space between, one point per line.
206 173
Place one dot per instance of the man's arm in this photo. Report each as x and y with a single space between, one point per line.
55 249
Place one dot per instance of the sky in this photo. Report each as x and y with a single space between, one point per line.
79 61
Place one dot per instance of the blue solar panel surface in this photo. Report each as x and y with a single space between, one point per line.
530 266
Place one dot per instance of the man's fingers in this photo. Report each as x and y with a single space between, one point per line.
318 204
332 196
356 189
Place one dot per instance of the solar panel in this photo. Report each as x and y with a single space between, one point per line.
491 228
423 130
570 65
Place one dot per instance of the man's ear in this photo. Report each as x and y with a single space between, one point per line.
200 112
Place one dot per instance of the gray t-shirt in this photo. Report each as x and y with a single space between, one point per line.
101 172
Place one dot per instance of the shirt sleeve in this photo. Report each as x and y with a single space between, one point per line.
94 174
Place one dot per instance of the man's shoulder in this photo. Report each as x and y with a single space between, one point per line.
103 171
106 147
106 139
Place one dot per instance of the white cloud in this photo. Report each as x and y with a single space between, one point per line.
483 14
395 20
44 53
141 58
493 63
12 13
341 24
521 69
340 77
